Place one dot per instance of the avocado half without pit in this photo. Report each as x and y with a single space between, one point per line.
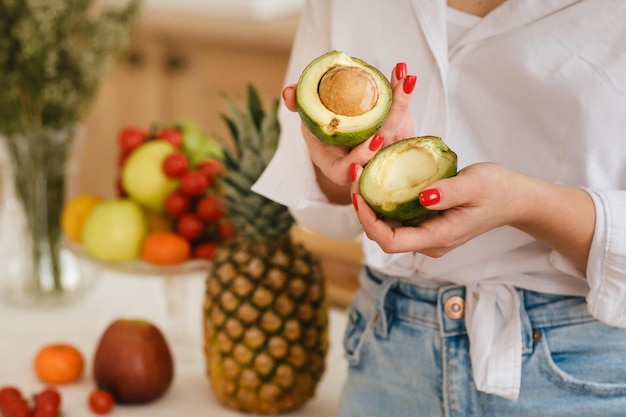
341 99
392 180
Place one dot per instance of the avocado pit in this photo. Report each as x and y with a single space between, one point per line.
349 91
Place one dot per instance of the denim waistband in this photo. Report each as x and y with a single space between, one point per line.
424 303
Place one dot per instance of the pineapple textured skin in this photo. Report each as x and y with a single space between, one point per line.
266 326
265 311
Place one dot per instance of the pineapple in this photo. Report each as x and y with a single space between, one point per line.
265 314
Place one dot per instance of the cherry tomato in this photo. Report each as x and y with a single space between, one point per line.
205 250
212 169
190 226
48 399
193 183
9 393
177 204
175 165
38 412
226 230
15 407
172 135
210 208
101 402
130 138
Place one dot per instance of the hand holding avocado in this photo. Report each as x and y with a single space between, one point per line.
334 161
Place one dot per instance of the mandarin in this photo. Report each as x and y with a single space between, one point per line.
59 363
75 212
165 248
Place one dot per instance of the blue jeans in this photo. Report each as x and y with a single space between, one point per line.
408 357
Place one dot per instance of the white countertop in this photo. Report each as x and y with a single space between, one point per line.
24 330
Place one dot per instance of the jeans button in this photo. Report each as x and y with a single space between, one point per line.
454 307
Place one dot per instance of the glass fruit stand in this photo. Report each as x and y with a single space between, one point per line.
174 279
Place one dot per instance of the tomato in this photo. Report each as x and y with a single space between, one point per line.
193 183
177 204
205 250
175 165
212 168
9 393
15 407
172 135
226 230
48 399
190 226
130 138
210 208
45 413
101 402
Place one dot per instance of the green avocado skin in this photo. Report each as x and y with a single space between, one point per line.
412 210
337 138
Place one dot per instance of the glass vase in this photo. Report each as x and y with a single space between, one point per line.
36 268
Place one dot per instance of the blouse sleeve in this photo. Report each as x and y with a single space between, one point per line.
289 179
606 268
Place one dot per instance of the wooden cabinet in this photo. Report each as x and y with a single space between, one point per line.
179 67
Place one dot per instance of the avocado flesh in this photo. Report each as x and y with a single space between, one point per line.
330 126
394 177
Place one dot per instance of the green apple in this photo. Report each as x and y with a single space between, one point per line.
114 230
197 145
143 178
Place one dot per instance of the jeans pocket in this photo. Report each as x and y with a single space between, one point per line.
585 358
354 336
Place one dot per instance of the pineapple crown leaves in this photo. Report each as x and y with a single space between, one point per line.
255 134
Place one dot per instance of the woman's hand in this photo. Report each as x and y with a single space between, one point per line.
333 163
480 198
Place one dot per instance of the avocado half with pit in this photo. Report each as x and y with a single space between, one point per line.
341 99
392 180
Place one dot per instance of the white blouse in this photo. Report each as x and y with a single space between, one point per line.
538 86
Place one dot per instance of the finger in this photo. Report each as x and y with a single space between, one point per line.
444 194
399 72
402 92
335 162
289 97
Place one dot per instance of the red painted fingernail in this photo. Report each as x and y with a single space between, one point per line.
353 167
285 91
401 70
409 83
377 142
430 197
355 203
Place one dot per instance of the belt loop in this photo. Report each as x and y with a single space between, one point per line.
381 322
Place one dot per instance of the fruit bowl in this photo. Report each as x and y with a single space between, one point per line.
139 267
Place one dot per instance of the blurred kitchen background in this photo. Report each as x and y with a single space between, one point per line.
184 55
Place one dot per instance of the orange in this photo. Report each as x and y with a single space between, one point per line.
59 363
74 214
165 248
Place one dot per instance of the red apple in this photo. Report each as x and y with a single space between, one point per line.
133 361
